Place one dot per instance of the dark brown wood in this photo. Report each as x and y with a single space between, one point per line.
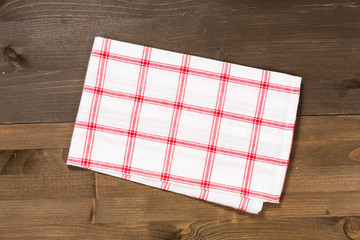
44 50
154 203
59 186
352 228
42 174
33 162
318 41
45 211
317 179
220 229
33 136
83 231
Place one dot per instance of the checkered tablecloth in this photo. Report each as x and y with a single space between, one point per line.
212 130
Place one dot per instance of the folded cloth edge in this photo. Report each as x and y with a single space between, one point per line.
252 205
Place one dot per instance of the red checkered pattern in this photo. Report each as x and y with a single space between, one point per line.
213 130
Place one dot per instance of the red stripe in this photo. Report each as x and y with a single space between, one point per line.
95 102
135 115
198 72
176 179
241 204
191 108
183 143
214 134
174 126
244 202
255 134
89 132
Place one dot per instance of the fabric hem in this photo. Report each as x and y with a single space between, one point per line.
253 202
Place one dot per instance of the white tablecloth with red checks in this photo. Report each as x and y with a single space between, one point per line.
208 129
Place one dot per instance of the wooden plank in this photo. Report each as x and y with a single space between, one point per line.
221 229
35 162
318 41
15 163
34 136
40 174
41 96
315 204
45 211
77 231
63 186
265 229
152 203
323 179
326 141
171 207
4 157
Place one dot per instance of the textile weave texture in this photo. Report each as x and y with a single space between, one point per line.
212 130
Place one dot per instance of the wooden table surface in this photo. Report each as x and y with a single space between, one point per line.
45 49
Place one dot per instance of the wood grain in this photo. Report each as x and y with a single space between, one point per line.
42 174
45 211
318 41
220 229
317 204
89 231
33 162
59 186
316 179
33 136
155 203
332 139
44 50
266 229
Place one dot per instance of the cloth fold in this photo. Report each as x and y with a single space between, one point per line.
212 130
